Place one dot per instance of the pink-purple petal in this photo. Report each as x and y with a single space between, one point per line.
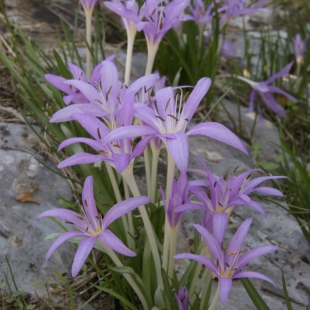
281 73
212 242
253 274
89 91
140 146
219 226
123 208
275 89
77 72
225 286
121 161
237 240
114 243
64 214
272 104
61 239
128 132
195 97
165 102
249 187
178 148
79 159
58 82
268 191
92 143
218 132
200 259
88 201
253 254
83 250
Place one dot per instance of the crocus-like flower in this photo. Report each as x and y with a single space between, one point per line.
179 197
73 94
235 8
182 298
265 90
129 12
91 226
200 14
159 18
226 192
299 48
168 115
105 95
113 103
228 264
88 4
230 190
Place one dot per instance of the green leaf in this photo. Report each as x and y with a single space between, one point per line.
254 295
287 298
117 296
64 71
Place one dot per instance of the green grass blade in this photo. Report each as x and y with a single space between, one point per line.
254 295
287 298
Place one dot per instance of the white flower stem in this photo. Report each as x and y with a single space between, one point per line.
119 199
147 168
170 176
216 298
128 277
172 250
155 155
166 244
151 53
129 177
129 218
88 18
131 34
114 183
167 232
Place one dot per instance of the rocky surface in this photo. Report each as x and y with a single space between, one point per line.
27 188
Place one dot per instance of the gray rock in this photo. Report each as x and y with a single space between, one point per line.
21 234
265 133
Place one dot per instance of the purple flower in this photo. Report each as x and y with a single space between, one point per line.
105 95
73 94
129 12
182 298
235 8
110 106
179 198
168 116
88 4
200 14
230 190
224 193
265 90
299 48
118 153
91 227
159 18
228 264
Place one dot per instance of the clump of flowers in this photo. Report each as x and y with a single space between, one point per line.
141 120
266 91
